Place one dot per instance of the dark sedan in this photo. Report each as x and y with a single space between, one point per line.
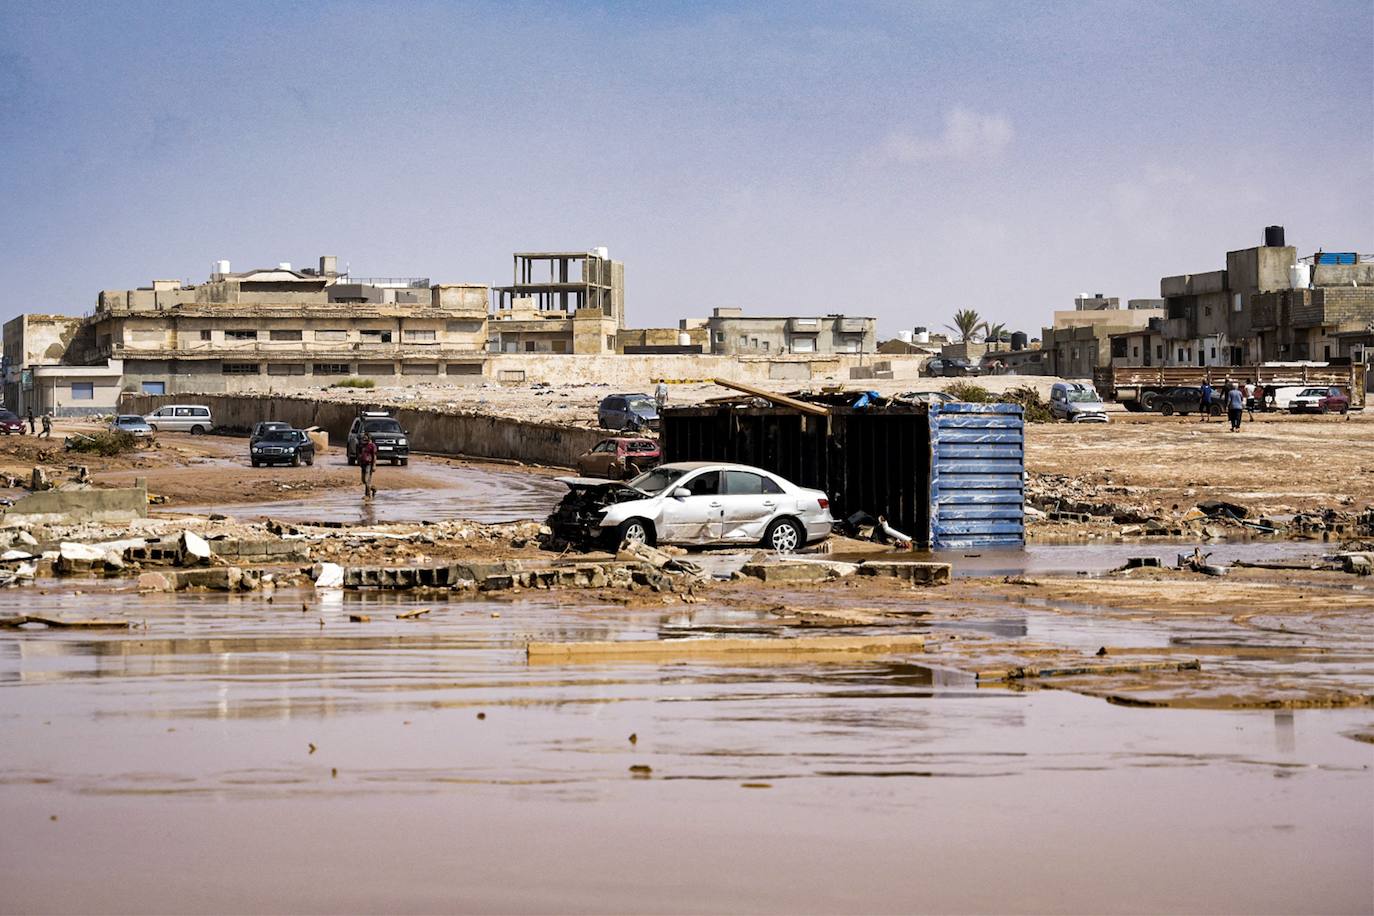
951 367
1184 401
282 446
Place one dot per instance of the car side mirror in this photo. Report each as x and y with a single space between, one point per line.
681 493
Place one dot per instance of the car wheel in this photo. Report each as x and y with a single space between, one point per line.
1325 409
1167 409
151 426
310 461
1345 409
257 463
296 460
405 461
784 536
197 430
636 531
1147 400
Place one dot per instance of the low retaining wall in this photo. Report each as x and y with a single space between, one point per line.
69 506
430 429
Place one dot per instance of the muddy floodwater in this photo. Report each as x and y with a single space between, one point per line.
240 755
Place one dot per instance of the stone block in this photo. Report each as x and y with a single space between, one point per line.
917 573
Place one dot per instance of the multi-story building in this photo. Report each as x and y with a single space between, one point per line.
1081 339
731 333
560 302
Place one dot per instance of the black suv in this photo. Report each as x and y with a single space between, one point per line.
951 367
282 446
392 443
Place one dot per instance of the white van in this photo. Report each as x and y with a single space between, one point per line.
181 418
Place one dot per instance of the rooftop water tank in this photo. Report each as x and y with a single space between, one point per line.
284 265
922 336
1273 237
1299 276
684 339
603 253
220 267
904 336
1019 340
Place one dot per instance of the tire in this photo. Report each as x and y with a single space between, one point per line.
351 460
296 460
197 430
1216 410
257 463
1345 410
636 530
405 462
310 461
152 426
1167 409
784 535
1325 409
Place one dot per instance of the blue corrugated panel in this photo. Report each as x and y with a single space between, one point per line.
977 475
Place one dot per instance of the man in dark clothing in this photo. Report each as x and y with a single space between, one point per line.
47 426
1205 402
367 463
1235 404
33 426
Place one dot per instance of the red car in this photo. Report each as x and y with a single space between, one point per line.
10 422
1321 400
619 458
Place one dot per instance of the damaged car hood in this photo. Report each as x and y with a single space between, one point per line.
598 483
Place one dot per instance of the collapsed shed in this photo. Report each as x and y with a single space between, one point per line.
949 475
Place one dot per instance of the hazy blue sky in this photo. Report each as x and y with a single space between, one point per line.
892 159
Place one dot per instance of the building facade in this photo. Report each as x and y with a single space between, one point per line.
559 302
732 333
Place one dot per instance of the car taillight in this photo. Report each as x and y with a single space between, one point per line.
825 503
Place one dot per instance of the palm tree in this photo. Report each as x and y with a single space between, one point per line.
994 333
966 324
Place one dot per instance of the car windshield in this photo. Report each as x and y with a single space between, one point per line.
130 421
382 426
638 404
1078 396
281 436
657 480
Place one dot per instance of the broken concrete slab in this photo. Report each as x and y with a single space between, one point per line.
195 550
798 570
68 507
914 571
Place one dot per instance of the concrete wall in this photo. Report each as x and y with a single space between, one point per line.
430 429
79 506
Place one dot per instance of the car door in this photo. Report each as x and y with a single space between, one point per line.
748 505
695 518
598 462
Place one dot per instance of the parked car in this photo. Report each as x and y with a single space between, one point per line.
951 367
627 411
181 418
1184 401
264 427
132 424
11 422
1320 400
1077 403
282 446
618 458
393 444
694 502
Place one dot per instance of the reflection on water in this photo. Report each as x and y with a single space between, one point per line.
422 765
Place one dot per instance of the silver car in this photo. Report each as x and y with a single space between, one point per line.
694 503
1077 403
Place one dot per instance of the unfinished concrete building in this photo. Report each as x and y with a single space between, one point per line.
283 328
732 333
560 302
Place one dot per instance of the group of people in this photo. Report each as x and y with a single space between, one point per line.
47 425
1238 398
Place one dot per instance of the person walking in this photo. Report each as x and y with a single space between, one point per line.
1235 404
661 395
1248 392
367 463
1205 402
33 426
47 426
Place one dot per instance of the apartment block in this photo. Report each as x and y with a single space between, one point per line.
732 333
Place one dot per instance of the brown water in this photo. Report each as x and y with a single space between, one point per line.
177 761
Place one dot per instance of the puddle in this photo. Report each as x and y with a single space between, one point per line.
480 494
237 755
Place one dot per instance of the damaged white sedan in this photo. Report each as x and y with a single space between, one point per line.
694 503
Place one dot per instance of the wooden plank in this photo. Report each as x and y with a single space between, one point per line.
815 410
667 649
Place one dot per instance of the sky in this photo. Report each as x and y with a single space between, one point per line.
899 160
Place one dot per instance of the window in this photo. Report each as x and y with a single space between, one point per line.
1236 303
605 445
240 369
375 337
803 345
1207 310
743 483
707 484
1180 354
743 341
560 346
334 335
1135 351
240 335
284 335
286 368
1118 346
1159 351
529 346
463 327
720 337
464 368
83 391
376 369
331 369
154 387
420 369
765 346
205 335
754 342
426 336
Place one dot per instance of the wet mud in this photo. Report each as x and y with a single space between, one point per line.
228 753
